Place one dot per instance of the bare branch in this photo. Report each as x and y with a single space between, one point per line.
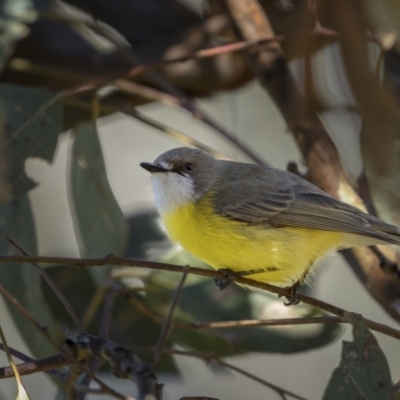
31 367
167 323
119 261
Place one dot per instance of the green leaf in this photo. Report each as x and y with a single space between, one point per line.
363 373
25 133
100 226
22 280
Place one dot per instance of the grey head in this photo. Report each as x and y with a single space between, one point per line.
181 176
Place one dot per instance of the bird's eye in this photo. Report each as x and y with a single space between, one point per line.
188 167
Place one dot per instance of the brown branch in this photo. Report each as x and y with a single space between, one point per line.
119 261
33 366
244 323
166 329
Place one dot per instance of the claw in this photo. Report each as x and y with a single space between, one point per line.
229 277
293 299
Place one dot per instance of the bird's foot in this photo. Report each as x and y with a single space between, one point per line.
230 276
293 299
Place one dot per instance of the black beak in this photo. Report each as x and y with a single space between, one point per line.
152 167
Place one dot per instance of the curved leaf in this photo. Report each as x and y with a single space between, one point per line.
99 224
363 372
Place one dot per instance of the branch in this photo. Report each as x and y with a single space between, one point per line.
244 323
111 259
167 323
31 367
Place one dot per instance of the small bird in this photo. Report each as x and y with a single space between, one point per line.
256 221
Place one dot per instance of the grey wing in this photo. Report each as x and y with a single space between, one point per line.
277 198
253 195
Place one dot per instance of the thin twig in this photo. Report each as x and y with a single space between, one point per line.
119 261
49 281
18 354
167 323
245 323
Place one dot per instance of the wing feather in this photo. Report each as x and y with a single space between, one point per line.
276 198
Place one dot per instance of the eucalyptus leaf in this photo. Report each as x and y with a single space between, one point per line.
363 372
22 280
99 224
25 132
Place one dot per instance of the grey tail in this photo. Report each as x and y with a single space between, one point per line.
386 232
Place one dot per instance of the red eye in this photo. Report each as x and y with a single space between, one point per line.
188 167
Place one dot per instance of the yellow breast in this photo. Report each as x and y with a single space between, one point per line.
284 253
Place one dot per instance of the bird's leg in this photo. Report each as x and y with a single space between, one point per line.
230 276
293 300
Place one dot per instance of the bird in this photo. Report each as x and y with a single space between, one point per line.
250 220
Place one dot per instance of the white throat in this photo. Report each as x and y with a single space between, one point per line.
172 191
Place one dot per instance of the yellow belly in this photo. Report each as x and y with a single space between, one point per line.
284 253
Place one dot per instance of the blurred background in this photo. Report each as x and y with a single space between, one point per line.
86 95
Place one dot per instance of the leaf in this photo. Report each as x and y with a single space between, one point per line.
363 372
25 133
21 392
22 280
99 224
